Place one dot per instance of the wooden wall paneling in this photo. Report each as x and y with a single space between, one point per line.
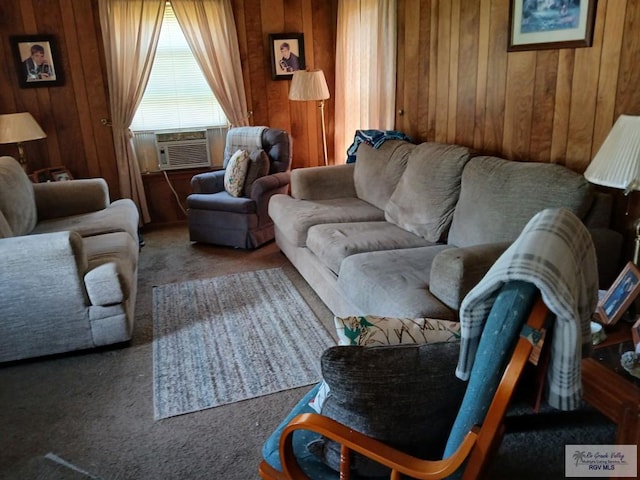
544 97
609 69
324 28
583 99
400 118
277 90
8 75
484 22
421 100
432 88
412 52
628 93
518 111
96 84
496 76
310 110
443 68
467 72
76 55
454 54
564 90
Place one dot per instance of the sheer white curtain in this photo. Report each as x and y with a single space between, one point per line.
365 69
210 30
130 31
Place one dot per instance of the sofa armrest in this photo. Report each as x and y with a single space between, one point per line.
73 197
208 182
455 271
323 183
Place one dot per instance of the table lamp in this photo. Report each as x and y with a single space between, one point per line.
17 128
308 85
617 163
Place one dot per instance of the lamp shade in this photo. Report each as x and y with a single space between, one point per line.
19 127
617 163
308 85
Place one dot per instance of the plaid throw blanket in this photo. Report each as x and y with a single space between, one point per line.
555 253
242 138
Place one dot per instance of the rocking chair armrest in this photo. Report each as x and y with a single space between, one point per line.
374 449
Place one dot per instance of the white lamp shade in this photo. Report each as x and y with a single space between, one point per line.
19 127
617 163
308 85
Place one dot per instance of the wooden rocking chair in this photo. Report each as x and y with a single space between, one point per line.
474 451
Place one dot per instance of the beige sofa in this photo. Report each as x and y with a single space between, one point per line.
69 265
409 229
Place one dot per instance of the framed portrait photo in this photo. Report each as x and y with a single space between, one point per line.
37 61
619 297
536 25
287 54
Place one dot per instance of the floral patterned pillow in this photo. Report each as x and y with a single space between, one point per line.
236 172
372 330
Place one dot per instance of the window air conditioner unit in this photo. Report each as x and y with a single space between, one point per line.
177 150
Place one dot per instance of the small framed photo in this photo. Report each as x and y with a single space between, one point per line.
538 25
620 296
287 54
37 61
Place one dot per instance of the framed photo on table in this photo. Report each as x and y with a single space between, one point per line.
559 24
37 61
287 54
619 297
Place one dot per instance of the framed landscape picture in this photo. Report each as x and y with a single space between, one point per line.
536 25
37 61
287 54
620 296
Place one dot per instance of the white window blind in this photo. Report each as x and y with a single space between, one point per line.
177 95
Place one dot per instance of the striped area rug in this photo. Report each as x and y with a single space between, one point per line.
225 339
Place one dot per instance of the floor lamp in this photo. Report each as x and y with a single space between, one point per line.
310 85
17 128
617 163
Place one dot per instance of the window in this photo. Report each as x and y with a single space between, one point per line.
177 95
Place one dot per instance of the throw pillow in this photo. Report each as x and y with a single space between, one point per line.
425 198
258 167
404 395
371 330
236 172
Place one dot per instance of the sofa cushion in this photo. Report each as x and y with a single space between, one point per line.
333 242
378 170
393 283
17 201
404 395
294 217
426 195
258 167
499 197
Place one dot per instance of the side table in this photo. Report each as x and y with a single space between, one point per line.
613 392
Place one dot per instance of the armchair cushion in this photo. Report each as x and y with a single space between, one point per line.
258 167
404 395
236 172
221 201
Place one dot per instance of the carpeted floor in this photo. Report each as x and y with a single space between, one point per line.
94 409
